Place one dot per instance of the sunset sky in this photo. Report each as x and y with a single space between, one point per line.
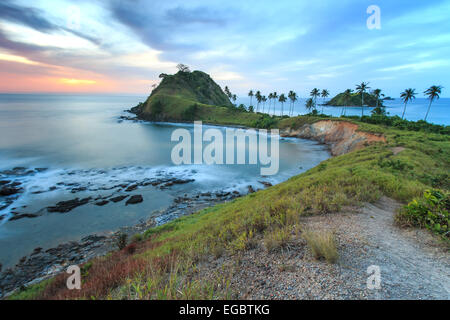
122 46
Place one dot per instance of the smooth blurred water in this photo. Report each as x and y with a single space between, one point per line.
415 110
81 140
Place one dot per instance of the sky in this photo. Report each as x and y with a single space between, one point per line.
114 46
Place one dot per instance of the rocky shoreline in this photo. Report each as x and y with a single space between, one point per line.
43 263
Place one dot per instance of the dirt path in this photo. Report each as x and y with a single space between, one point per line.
413 265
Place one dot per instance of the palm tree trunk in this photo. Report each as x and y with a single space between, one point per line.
404 109
362 104
429 106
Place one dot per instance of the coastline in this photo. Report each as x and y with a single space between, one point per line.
42 264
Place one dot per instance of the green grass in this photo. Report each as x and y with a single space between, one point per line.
351 179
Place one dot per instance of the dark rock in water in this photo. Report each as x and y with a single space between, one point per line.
134 199
102 203
23 215
7 191
75 190
3 182
182 181
93 238
265 183
36 250
236 192
40 169
250 189
131 188
66 206
118 198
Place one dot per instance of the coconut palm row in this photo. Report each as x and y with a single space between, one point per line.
408 95
282 98
433 93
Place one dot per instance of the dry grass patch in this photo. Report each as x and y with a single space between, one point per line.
322 244
277 238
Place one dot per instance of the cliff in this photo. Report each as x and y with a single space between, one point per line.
342 137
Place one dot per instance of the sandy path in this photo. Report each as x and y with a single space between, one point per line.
412 263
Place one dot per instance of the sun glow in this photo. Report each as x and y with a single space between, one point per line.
14 58
77 81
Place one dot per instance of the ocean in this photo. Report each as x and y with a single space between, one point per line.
61 147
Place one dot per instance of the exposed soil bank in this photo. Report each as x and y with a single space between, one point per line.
341 136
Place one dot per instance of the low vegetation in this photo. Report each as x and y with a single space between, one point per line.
164 264
322 244
429 211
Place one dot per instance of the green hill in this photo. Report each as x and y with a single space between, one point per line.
181 96
369 100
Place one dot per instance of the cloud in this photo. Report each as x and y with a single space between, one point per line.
34 18
419 66
25 15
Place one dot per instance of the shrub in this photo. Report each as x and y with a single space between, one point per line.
138 237
322 244
277 238
121 241
190 112
131 248
430 211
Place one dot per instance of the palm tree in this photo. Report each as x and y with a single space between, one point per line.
258 99
282 99
314 94
274 96
325 93
362 88
407 95
250 94
347 97
310 104
264 99
234 97
270 101
293 98
290 101
432 92
377 94
228 93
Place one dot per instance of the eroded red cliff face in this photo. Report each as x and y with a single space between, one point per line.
342 137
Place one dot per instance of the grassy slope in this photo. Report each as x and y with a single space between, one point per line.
164 265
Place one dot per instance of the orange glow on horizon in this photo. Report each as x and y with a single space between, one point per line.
77 81
18 59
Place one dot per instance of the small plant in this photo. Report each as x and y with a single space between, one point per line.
131 248
138 237
277 238
322 244
430 211
121 240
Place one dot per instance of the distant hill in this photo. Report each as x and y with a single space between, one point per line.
369 100
180 94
